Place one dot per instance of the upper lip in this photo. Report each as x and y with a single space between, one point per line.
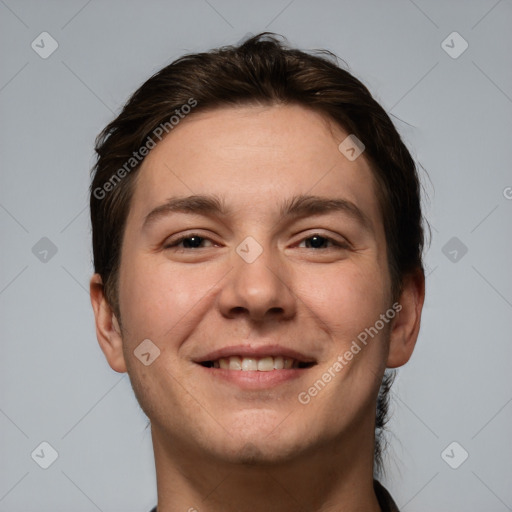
256 351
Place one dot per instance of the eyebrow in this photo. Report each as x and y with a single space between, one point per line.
296 207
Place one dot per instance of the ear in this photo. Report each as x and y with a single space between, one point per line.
406 325
108 331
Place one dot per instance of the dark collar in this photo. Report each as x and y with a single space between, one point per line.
385 500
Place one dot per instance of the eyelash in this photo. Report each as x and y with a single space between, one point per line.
336 244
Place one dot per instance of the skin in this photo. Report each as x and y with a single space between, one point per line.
219 447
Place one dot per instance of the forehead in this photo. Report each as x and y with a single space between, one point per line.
255 157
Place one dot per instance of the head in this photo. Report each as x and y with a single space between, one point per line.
256 128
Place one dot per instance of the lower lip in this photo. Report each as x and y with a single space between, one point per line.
255 379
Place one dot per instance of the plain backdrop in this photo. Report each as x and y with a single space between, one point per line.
451 103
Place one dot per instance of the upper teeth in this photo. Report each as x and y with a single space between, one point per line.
252 364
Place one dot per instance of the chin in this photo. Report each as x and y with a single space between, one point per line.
259 450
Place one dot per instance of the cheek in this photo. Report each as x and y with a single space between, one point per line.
157 297
347 298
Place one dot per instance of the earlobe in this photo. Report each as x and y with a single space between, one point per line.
108 331
406 325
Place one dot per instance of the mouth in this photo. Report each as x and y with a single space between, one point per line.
255 367
257 364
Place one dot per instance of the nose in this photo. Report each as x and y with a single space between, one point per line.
259 290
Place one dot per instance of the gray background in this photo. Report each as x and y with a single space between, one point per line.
455 116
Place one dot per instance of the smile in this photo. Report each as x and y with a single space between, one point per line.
256 364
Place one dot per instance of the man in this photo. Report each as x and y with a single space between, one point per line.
257 239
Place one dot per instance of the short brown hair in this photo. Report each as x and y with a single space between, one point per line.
265 71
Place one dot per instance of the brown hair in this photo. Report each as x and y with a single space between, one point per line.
262 70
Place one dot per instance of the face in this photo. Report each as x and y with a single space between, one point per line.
255 275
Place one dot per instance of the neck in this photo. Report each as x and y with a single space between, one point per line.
335 477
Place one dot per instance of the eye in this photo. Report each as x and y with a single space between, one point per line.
317 241
190 241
